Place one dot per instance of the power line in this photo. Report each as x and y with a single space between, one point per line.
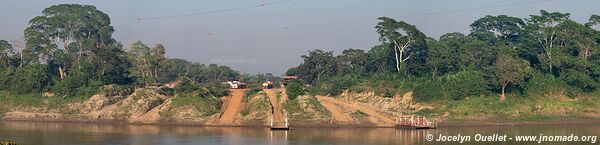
205 12
355 21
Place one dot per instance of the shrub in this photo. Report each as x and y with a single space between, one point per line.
213 90
540 84
464 84
579 81
294 89
339 84
252 90
76 85
185 86
429 90
29 78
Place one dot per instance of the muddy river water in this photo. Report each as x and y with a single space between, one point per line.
27 133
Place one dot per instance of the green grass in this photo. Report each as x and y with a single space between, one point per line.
293 106
245 111
261 103
205 105
29 100
514 108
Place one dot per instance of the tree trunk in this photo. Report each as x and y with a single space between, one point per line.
61 72
397 61
502 97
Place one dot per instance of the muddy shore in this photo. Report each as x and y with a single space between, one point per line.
471 123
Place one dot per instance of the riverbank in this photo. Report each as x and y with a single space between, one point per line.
451 124
146 106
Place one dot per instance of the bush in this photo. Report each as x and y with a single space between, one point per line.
429 90
339 84
76 85
252 90
185 86
464 84
579 81
294 89
28 79
451 86
539 84
213 90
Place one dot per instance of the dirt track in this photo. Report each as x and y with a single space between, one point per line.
332 105
336 112
278 116
233 106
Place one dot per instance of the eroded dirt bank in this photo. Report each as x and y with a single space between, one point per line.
149 106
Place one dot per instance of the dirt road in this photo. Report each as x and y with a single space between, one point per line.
233 106
332 104
278 116
336 112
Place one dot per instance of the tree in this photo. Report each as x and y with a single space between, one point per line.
158 62
6 50
509 70
20 45
80 27
406 39
316 64
379 60
440 58
593 21
141 56
351 61
505 27
542 30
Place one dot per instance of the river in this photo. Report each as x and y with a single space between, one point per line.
57 133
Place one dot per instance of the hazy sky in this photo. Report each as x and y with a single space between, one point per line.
229 37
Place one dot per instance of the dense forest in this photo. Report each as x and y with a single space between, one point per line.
544 53
69 51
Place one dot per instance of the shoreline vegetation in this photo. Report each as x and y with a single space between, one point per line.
540 70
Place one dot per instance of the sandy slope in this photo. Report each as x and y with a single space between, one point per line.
374 117
336 112
233 106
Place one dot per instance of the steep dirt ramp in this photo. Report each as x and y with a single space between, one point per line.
233 106
336 112
153 115
374 116
278 115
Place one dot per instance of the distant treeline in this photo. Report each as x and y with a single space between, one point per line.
69 50
525 56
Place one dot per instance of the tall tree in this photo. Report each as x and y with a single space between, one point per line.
81 27
158 62
141 56
316 64
505 27
406 39
542 30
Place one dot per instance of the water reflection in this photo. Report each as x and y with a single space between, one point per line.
81 133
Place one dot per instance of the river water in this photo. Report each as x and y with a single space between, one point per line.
51 133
